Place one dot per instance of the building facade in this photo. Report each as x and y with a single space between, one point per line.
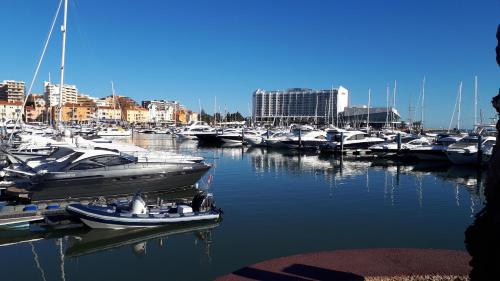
12 91
135 115
380 117
36 108
299 105
10 110
108 113
51 94
161 111
77 113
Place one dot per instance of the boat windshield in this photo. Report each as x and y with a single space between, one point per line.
407 139
466 142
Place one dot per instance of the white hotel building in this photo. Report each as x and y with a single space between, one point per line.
299 105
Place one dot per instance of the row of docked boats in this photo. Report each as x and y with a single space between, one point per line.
459 148
41 167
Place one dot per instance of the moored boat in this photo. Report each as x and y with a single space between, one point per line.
138 214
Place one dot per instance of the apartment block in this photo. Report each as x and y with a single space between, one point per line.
12 91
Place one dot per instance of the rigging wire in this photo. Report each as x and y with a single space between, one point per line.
37 68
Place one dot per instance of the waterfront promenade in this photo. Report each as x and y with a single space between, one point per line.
363 264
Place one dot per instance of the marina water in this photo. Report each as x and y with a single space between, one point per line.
275 204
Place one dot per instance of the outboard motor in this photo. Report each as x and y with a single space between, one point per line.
138 205
197 202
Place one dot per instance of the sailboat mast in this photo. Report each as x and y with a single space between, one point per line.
459 105
199 116
114 100
387 107
215 112
423 98
393 103
63 54
475 101
368 115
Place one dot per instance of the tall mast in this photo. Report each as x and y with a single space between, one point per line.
387 107
410 114
215 112
63 53
423 98
459 104
368 115
316 111
475 101
393 103
114 100
199 104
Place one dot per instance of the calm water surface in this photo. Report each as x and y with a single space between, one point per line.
275 204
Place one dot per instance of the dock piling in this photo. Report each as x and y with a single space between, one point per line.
398 139
341 142
479 150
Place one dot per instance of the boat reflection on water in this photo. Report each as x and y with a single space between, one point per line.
96 240
337 168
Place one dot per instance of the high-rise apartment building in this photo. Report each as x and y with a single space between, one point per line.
51 93
299 105
12 91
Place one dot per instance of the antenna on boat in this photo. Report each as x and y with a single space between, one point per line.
63 53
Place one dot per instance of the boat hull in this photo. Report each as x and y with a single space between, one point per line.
95 219
68 186
429 155
462 158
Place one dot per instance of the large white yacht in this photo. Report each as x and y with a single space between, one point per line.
195 128
391 148
465 151
351 140
81 173
434 151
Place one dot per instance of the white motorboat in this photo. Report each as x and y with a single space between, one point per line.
114 132
82 173
138 214
351 140
386 149
255 137
195 128
434 151
465 151
304 139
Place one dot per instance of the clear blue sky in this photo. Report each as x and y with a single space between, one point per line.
190 50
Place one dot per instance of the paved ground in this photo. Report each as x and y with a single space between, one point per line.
365 264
